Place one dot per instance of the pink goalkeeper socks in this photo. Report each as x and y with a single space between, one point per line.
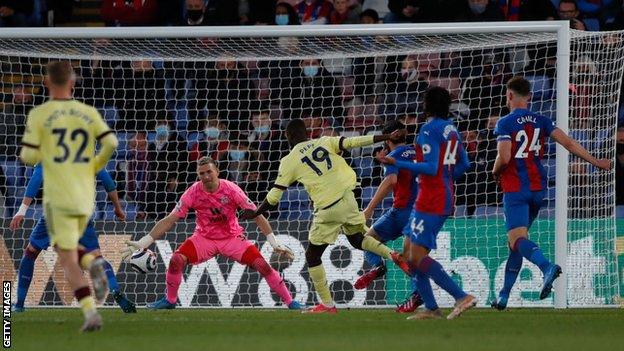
173 284
277 284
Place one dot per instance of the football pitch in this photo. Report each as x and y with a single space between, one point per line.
359 329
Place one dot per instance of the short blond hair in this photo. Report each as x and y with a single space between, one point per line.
206 161
59 72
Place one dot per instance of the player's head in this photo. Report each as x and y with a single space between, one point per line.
59 76
208 171
437 102
518 92
390 127
296 131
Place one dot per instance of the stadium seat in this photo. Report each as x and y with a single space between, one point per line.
192 138
363 166
181 118
110 115
122 148
550 167
34 212
541 87
460 211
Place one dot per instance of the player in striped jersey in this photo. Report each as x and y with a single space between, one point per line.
521 136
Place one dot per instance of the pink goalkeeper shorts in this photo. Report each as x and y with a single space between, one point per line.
199 249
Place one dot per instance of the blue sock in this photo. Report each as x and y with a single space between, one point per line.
414 286
532 252
373 259
512 269
25 274
424 289
110 275
433 269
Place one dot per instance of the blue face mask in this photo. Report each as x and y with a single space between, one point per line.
263 129
477 8
281 20
236 155
162 132
310 71
212 133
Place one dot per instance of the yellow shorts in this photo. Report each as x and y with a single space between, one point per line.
345 215
64 229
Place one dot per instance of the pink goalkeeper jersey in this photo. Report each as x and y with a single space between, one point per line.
215 212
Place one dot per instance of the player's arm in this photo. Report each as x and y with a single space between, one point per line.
384 189
108 144
265 228
431 153
32 188
29 154
503 156
463 163
111 189
343 143
159 230
285 177
578 150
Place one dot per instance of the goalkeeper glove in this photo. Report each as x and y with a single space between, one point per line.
132 246
279 247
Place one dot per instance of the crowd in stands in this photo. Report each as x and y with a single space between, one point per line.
169 114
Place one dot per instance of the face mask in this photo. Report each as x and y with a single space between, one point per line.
195 15
236 155
409 74
281 20
477 8
310 71
619 148
212 133
263 129
162 132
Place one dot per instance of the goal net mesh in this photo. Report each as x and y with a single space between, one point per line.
172 101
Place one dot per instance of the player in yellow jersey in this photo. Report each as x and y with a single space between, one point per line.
329 181
61 134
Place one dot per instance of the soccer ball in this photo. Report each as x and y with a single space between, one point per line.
279 261
143 261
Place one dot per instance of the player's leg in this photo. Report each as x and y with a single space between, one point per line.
378 264
313 254
38 241
64 231
90 242
245 252
425 228
415 253
414 300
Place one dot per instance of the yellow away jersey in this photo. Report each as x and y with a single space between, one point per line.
317 165
65 132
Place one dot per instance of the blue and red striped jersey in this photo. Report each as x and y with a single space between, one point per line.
527 132
440 159
406 188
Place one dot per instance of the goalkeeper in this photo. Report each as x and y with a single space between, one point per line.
217 232
329 181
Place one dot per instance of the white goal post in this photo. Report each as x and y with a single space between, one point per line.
235 78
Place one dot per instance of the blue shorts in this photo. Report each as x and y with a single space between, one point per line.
390 225
423 229
40 240
521 208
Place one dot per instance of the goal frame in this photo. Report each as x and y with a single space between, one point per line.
561 28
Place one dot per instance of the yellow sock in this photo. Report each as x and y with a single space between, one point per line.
87 305
85 261
320 284
371 244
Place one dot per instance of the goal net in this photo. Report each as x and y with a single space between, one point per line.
172 99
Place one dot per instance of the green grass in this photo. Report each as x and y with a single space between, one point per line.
371 329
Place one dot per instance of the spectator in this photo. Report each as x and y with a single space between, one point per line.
380 7
139 94
237 159
15 13
619 167
568 11
168 163
306 89
314 11
345 13
14 120
212 12
195 13
286 15
316 126
405 94
403 11
257 11
527 10
130 12
212 141
479 11
228 93
132 174
96 83
369 16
